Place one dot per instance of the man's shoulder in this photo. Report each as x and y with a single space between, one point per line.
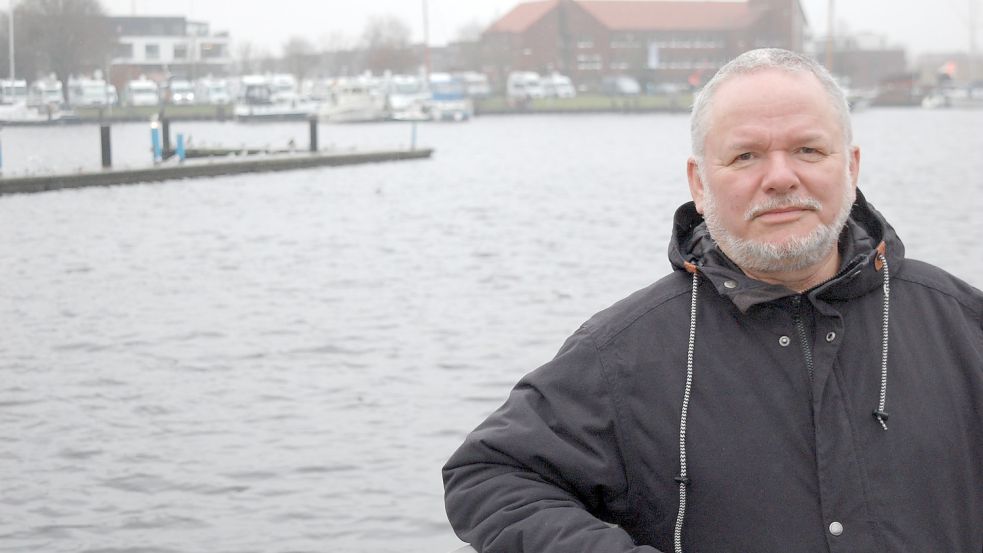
936 280
641 305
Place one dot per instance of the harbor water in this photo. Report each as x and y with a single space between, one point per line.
282 362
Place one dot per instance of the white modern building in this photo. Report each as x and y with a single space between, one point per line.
167 47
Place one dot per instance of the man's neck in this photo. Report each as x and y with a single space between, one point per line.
803 279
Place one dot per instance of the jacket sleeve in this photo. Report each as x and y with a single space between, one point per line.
544 471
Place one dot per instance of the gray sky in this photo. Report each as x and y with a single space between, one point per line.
920 25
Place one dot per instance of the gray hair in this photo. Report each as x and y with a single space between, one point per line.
759 60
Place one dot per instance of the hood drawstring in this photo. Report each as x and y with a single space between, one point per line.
880 414
682 479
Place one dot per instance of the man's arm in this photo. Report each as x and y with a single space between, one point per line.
540 474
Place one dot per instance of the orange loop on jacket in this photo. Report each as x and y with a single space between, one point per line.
690 267
882 249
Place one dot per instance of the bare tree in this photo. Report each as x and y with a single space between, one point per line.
64 37
471 31
386 40
299 57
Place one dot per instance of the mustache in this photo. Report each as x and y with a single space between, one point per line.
782 202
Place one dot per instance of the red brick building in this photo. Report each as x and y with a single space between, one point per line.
653 41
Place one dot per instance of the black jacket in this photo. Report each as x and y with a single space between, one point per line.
780 441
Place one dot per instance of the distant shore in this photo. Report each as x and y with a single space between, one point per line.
496 105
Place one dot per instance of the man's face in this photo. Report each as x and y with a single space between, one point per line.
777 179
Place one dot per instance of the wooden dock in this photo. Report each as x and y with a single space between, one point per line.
212 167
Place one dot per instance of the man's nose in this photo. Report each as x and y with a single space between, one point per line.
780 175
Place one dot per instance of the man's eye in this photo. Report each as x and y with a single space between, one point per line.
746 156
808 151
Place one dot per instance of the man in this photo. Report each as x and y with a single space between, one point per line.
795 385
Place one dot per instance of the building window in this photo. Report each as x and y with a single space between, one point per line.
212 51
585 43
180 51
527 51
589 62
151 51
123 50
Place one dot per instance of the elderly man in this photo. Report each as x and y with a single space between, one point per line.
741 403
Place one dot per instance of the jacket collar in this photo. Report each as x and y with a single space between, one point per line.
865 234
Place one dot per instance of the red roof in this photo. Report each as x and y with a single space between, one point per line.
626 15
636 15
523 16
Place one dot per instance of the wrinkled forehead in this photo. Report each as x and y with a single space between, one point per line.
744 94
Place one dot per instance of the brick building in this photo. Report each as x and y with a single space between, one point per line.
653 41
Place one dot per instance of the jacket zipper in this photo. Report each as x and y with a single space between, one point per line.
803 338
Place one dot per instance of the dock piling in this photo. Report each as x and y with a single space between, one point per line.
312 122
180 147
105 142
165 126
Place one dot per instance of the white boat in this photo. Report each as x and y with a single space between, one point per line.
357 100
260 97
408 98
449 99
23 114
958 97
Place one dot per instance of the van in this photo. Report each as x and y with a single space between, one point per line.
84 92
44 93
180 92
213 92
141 92
13 92
523 85
556 85
620 85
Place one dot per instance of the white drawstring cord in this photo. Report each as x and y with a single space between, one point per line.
880 414
682 479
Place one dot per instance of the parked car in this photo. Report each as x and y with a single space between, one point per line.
620 85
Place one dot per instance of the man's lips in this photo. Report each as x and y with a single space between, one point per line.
782 215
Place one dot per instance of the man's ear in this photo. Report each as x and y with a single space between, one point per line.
854 165
695 183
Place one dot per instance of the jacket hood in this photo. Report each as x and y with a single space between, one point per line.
865 234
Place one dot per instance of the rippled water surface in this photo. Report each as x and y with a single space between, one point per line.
283 361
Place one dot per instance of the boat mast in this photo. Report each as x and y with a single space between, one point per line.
426 42
829 36
10 33
973 15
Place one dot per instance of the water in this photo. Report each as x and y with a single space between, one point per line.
283 361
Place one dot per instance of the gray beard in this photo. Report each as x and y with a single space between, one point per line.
793 254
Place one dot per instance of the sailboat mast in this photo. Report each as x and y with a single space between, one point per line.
10 33
829 36
973 24
426 40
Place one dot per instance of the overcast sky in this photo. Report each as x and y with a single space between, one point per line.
919 25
